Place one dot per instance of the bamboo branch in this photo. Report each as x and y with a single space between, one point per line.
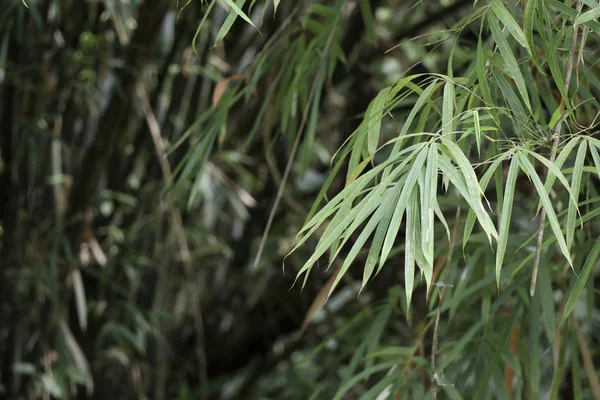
556 137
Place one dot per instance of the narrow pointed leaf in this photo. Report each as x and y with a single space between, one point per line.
530 170
474 190
560 160
411 180
587 16
458 182
485 179
555 172
581 281
228 24
477 127
373 120
410 248
509 60
596 158
507 207
236 9
428 199
575 187
448 110
507 19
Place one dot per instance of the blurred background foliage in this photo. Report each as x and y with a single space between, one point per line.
159 160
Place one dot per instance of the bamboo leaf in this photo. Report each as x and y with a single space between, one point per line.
509 60
236 9
507 207
410 249
581 281
374 118
507 19
477 127
411 180
558 163
481 76
555 172
228 24
448 109
575 187
530 170
474 190
587 16
528 23
596 158
428 200
485 179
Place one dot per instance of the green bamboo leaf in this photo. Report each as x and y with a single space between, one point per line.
457 180
374 118
448 109
560 160
275 5
572 13
412 215
384 204
380 234
236 9
481 76
581 281
474 190
528 23
509 60
347 385
367 15
424 97
575 187
228 24
507 19
357 150
528 168
485 179
596 158
587 16
555 66
507 207
428 198
440 215
324 188
477 127
349 193
199 29
353 220
358 214
411 180
554 171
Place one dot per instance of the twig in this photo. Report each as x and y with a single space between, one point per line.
288 167
436 381
556 136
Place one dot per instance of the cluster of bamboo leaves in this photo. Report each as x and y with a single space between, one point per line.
507 109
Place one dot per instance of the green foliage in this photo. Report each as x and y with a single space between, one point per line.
462 169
